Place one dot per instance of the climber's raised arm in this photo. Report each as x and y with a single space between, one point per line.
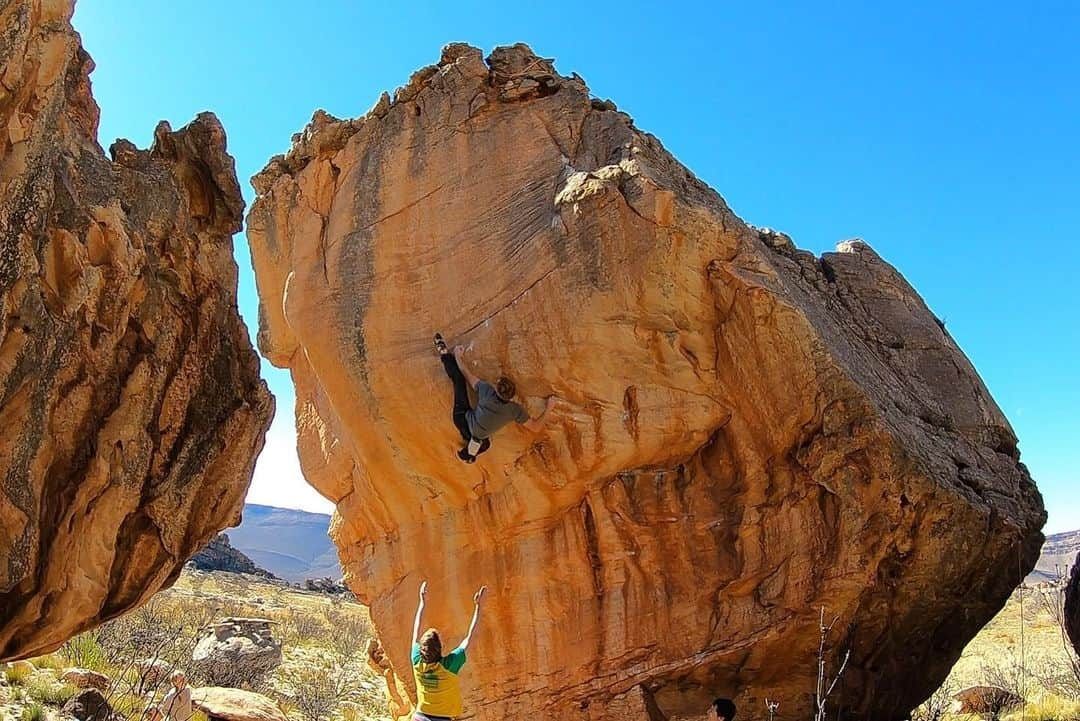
419 613
475 617
472 380
536 424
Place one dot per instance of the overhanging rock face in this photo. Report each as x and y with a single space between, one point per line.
131 408
748 432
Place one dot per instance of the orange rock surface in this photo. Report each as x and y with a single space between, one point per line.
131 408
747 433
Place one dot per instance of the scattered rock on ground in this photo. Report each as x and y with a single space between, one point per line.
88 705
85 678
236 651
153 670
985 700
232 704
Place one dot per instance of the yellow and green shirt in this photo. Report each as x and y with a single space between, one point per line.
437 689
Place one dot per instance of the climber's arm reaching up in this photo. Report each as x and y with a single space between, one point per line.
472 380
419 613
475 617
536 424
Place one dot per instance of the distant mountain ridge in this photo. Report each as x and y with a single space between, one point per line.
1057 557
288 543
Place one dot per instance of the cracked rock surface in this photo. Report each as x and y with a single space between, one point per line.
131 408
748 432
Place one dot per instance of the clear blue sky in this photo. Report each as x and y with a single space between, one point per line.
947 137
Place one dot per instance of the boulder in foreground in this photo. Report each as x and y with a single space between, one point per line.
748 432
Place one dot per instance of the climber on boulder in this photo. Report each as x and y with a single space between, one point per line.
495 406
722 709
438 694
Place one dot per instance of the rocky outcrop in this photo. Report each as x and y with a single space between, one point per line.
131 408
747 433
236 652
219 555
1072 604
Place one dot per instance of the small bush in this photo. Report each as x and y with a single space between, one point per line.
49 691
85 651
16 675
33 712
49 661
1049 707
129 705
319 689
937 706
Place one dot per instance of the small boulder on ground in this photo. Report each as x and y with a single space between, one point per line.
85 678
232 704
153 670
234 651
986 700
88 705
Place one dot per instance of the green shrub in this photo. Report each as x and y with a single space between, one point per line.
84 651
1049 707
49 691
129 705
16 675
33 712
48 661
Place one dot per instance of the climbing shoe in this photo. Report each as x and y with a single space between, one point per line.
440 344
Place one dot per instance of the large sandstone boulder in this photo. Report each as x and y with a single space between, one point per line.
131 408
748 432
236 651
1072 604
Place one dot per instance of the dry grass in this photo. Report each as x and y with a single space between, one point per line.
323 639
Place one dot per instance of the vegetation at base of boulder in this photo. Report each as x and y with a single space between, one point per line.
324 674
16 675
84 651
321 687
937 706
48 661
1049 707
49 691
33 712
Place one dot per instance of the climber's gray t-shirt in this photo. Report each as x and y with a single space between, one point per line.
491 412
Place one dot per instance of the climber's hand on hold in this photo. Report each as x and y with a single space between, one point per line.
551 401
423 590
479 595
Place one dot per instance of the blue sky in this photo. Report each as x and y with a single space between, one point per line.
948 138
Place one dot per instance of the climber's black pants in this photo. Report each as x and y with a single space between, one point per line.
461 395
